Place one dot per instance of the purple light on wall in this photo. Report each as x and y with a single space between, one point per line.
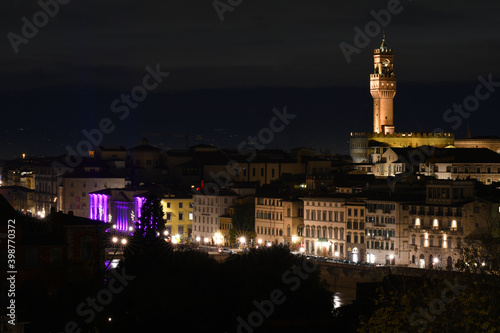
122 215
91 216
105 210
99 207
139 202
94 206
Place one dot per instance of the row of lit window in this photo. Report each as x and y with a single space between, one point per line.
443 241
330 204
84 184
202 228
355 225
353 238
270 231
380 233
201 200
327 216
269 202
180 204
381 219
205 209
435 223
380 245
321 232
201 219
168 216
269 216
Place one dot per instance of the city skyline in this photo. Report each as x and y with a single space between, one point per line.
227 76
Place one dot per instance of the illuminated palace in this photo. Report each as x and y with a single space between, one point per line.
367 148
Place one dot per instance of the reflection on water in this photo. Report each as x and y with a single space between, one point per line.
343 296
337 301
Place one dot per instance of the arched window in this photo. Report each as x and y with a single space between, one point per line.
449 263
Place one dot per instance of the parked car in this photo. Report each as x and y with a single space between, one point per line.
225 250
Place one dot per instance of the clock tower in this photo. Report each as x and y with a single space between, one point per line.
383 89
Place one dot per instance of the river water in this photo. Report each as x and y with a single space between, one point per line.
343 296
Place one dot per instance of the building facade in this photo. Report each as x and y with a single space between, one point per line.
269 222
207 210
293 223
381 231
325 225
178 211
355 230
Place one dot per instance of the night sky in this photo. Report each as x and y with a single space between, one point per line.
227 76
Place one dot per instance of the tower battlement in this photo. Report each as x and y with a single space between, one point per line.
388 51
401 135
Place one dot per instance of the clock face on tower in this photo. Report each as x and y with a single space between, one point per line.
385 63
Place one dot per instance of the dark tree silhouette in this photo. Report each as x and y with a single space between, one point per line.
151 223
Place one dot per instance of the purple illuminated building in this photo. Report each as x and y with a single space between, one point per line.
120 207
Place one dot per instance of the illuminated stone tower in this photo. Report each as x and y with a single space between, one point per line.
383 89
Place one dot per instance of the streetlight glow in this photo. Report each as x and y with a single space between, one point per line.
115 239
259 241
242 240
218 238
124 241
